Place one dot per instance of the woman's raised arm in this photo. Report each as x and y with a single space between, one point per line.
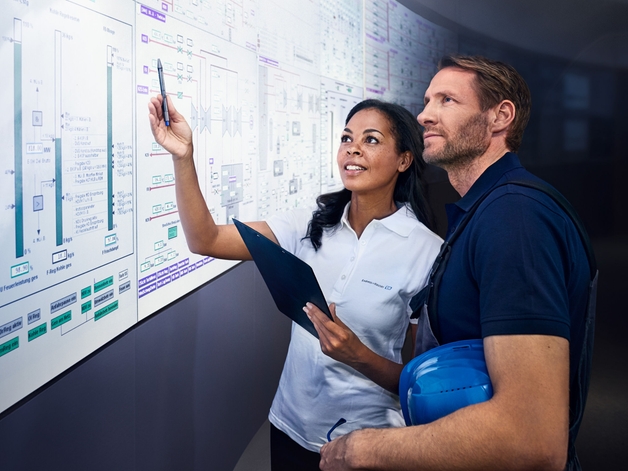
202 234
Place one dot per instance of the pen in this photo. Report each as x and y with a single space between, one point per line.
341 421
162 86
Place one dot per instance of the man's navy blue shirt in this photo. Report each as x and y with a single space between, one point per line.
519 267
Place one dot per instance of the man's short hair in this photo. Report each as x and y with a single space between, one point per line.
495 82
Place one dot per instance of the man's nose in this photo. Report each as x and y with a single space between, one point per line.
425 116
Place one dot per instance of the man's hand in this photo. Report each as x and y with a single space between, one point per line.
335 455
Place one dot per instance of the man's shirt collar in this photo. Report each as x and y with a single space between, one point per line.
491 176
489 179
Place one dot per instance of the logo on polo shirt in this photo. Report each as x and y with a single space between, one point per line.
387 287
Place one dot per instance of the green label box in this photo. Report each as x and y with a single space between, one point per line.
85 292
100 285
9 346
37 332
60 320
108 309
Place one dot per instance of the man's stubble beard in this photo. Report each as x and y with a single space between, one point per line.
468 143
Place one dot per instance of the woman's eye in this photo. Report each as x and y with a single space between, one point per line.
371 140
345 138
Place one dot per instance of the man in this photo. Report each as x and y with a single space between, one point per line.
517 277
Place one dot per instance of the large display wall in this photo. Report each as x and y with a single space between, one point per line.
91 239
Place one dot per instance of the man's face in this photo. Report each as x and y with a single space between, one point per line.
456 130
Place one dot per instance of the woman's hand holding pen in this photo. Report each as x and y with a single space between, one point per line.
175 138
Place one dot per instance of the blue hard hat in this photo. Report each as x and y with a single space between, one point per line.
443 380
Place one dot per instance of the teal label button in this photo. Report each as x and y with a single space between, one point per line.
85 292
60 320
108 309
100 285
37 331
172 232
85 307
9 346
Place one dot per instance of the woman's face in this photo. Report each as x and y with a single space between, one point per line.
367 157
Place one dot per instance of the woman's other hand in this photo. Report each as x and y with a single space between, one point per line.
337 340
343 345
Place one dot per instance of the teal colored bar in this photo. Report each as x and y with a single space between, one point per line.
86 307
100 285
9 346
37 332
85 292
60 320
59 190
105 310
17 138
110 147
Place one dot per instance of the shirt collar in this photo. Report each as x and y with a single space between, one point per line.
402 222
489 179
491 176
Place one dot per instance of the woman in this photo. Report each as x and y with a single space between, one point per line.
370 249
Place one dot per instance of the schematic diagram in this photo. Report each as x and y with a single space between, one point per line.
402 51
289 34
90 229
337 99
342 50
66 188
342 70
289 153
289 108
213 83
234 21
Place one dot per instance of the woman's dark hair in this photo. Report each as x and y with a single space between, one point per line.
409 187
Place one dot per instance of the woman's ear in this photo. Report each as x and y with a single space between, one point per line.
405 161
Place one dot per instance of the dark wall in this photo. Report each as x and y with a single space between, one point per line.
185 389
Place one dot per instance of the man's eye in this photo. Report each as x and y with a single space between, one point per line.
447 99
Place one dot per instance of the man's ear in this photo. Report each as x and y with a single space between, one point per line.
504 115
406 161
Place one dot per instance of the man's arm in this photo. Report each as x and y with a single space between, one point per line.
523 426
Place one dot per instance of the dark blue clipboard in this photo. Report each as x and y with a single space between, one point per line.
290 280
